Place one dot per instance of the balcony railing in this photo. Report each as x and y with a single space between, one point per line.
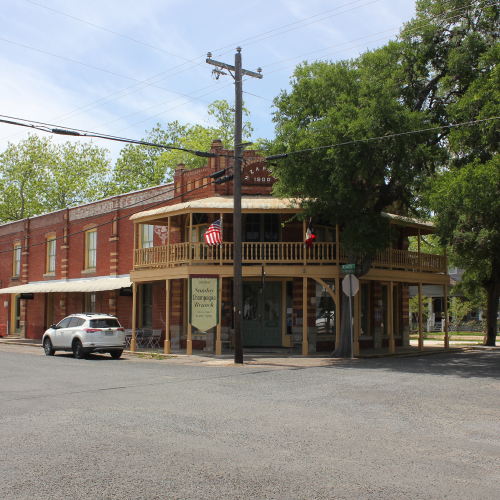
278 253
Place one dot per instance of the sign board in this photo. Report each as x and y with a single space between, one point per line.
126 292
348 268
354 285
27 296
204 302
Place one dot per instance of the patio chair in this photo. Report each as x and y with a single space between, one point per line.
128 336
144 338
154 339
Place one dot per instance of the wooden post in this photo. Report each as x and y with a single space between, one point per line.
190 246
133 344
167 316
220 246
338 309
218 342
168 242
337 248
446 337
304 228
419 256
357 318
305 345
420 326
135 244
189 341
392 342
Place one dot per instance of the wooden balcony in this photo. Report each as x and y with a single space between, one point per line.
279 253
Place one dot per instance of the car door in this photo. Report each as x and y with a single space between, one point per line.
69 331
57 336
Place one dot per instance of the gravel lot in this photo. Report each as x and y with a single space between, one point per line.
404 428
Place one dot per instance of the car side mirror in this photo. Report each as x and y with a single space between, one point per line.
54 327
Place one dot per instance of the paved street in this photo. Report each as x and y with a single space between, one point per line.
404 428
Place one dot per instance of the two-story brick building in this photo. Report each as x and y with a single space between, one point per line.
151 242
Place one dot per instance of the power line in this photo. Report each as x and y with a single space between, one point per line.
473 122
118 218
109 31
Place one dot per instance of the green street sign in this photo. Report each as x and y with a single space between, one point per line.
348 268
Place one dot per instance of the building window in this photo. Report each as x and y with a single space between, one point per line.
324 234
16 270
262 227
147 232
51 256
90 302
200 226
91 249
147 306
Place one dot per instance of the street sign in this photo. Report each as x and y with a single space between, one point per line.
354 285
348 268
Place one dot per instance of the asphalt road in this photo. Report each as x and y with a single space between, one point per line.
406 428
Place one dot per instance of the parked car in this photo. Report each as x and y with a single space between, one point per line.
85 333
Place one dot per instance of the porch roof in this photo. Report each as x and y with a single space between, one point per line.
91 285
218 204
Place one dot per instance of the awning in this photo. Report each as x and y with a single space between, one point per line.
96 285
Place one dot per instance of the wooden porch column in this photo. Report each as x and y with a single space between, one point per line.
337 247
167 316
133 344
446 337
392 342
305 345
419 256
190 246
218 342
420 327
304 229
220 249
168 245
189 341
338 308
135 244
357 324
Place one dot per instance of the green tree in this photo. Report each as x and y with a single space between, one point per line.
406 85
413 307
143 166
38 176
459 308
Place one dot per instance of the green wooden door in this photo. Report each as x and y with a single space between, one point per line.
262 314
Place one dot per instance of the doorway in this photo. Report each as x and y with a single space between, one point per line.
262 314
16 315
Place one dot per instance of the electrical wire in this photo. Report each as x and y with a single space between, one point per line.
109 31
473 122
116 219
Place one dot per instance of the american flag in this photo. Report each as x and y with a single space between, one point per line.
213 234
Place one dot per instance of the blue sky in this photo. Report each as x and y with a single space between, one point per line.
111 84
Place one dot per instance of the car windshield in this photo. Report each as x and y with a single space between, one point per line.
104 323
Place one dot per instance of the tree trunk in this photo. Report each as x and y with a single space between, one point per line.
493 295
343 349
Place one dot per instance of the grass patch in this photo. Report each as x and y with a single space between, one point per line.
154 355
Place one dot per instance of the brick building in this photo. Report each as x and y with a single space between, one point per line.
152 241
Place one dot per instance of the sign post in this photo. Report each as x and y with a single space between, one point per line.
350 286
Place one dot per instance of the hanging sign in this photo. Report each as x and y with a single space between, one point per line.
204 301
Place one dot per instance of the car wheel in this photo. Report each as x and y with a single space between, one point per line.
78 350
116 354
47 347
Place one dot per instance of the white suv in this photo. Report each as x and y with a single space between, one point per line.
85 333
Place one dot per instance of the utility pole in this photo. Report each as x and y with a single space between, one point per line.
238 148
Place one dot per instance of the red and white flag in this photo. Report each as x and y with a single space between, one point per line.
213 234
310 236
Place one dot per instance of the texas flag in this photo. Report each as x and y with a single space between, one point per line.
310 236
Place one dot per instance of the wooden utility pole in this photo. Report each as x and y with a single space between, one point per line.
238 149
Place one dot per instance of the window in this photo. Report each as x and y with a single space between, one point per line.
200 226
90 302
365 308
324 234
147 305
147 232
16 271
104 323
262 227
51 256
64 323
91 250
